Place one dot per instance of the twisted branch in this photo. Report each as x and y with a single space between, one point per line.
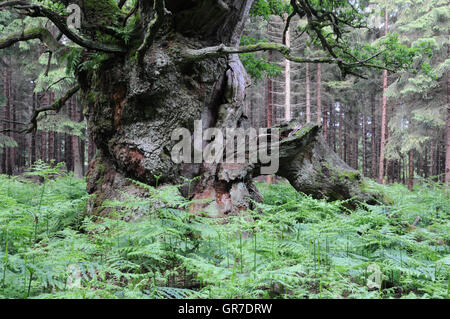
34 10
222 50
152 28
57 106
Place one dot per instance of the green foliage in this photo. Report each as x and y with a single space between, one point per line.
6 141
73 60
128 31
55 6
256 65
421 89
264 8
292 246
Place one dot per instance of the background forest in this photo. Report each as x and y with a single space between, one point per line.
392 127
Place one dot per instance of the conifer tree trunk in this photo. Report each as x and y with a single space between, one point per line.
68 149
332 127
269 107
76 151
447 140
44 145
43 134
15 163
83 157
373 140
4 122
33 134
348 146
432 164
308 94
287 80
425 163
384 112
51 135
356 141
57 147
403 169
364 143
411 171
9 158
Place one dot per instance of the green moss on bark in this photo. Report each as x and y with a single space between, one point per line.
104 12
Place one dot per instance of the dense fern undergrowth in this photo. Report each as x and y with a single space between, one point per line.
292 246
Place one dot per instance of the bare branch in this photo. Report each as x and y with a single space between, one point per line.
36 33
57 106
366 60
58 81
121 3
222 50
50 55
13 3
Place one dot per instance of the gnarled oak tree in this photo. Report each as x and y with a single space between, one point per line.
162 64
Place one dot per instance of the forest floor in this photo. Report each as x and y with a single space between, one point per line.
292 246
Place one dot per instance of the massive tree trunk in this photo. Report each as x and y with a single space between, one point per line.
134 101
135 104
325 125
319 94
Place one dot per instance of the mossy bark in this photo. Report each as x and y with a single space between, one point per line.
311 167
133 105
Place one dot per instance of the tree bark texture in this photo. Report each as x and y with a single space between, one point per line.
134 104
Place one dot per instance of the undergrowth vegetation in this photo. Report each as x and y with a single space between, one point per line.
292 246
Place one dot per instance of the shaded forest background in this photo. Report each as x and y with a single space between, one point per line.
391 126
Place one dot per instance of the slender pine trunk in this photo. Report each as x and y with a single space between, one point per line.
384 113
447 142
411 171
